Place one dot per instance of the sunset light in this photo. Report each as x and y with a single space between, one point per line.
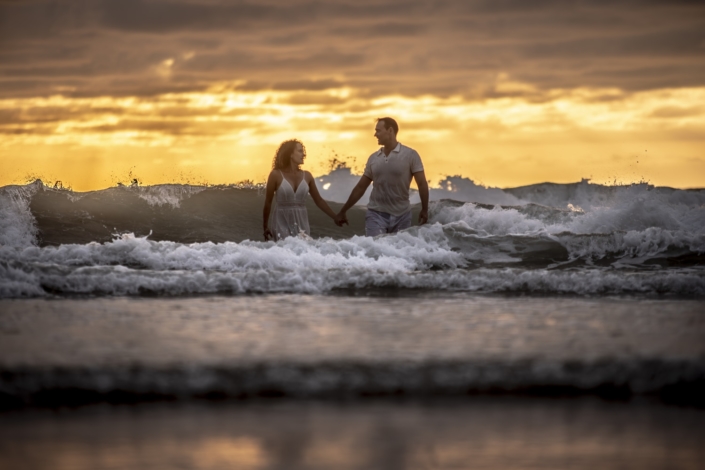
203 92
225 134
352 234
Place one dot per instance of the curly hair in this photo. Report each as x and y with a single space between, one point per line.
282 158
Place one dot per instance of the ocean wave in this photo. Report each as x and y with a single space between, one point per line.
180 239
132 266
350 378
17 224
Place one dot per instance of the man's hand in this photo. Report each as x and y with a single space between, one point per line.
268 234
423 217
340 219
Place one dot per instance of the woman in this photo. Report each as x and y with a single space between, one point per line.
291 186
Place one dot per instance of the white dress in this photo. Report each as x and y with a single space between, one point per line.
290 217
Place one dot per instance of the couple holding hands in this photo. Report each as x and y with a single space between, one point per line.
390 168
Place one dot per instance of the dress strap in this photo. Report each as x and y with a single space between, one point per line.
303 180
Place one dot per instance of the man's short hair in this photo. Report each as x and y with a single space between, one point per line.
389 122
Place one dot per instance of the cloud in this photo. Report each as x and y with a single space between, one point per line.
119 47
678 112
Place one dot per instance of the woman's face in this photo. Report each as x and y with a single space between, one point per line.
297 156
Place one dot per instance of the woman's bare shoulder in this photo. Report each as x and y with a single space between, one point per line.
275 178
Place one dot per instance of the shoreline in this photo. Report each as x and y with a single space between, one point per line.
74 351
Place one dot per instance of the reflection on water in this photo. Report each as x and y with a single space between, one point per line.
475 432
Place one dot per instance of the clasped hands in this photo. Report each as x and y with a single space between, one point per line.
340 219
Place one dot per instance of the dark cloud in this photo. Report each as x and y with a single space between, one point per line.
165 16
148 47
8 116
315 99
161 127
673 42
308 85
382 30
678 112
643 77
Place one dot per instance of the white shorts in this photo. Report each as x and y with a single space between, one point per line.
377 223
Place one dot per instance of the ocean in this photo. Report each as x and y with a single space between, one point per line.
545 326
547 239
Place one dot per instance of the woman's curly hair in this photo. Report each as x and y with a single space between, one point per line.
282 158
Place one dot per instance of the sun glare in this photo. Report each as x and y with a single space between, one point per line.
205 123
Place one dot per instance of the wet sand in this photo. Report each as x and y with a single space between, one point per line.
375 382
464 433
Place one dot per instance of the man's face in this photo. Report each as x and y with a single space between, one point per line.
384 136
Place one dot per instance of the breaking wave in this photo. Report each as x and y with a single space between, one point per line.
579 238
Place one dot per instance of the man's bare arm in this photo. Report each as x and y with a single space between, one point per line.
357 192
422 184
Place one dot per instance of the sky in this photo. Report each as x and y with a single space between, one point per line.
504 92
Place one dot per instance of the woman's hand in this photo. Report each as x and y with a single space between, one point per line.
340 219
268 234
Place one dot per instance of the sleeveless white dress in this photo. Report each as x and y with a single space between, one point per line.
290 217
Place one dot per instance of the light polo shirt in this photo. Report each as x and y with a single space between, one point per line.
391 176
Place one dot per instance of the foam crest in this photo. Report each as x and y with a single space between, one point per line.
586 196
463 189
406 251
486 221
632 211
633 247
121 280
166 194
17 227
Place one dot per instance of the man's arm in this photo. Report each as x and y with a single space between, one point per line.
357 192
420 178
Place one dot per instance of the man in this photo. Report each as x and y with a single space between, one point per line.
391 169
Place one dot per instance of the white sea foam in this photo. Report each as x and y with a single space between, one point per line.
638 227
587 197
405 251
463 189
166 194
486 222
17 226
121 280
577 197
421 258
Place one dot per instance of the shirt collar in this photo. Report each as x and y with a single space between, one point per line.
396 149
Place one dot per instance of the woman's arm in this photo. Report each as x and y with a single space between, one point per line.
315 195
269 196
